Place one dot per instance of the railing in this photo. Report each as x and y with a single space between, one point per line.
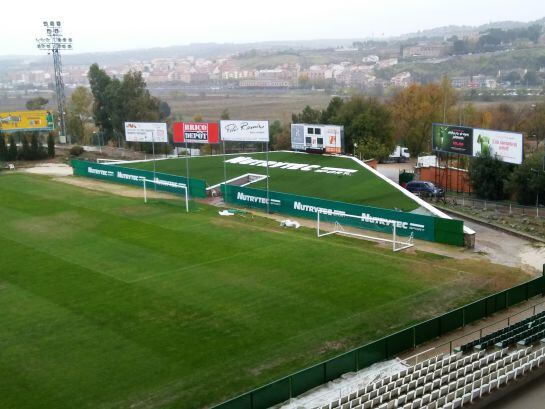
505 208
450 345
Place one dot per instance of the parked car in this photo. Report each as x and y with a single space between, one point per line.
424 188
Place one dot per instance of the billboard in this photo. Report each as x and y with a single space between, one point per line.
146 132
26 121
245 131
452 139
325 138
195 132
507 146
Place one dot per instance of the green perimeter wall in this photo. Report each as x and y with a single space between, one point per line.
382 349
423 227
128 176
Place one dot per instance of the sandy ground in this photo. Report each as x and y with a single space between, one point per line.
391 170
50 169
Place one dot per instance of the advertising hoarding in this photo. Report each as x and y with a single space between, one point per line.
244 131
146 132
452 139
195 132
317 137
506 146
40 120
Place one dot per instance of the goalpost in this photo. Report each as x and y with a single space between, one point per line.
335 226
179 186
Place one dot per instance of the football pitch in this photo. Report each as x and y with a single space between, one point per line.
360 187
107 302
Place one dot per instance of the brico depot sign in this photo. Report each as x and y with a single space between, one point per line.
195 132
303 167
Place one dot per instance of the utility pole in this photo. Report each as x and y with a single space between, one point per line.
53 43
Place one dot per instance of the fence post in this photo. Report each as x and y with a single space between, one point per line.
509 209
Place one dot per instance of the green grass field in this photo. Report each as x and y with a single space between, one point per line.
110 303
362 187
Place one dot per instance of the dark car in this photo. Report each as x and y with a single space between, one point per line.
424 188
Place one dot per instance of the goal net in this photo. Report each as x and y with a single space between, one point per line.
149 183
352 225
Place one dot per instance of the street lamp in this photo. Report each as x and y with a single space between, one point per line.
53 43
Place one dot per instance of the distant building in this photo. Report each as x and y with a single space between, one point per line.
424 51
264 84
403 79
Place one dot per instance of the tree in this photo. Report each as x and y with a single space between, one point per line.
25 153
50 145
36 103
415 108
528 181
118 101
225 114
164 110
367 123
79 112
35 147
12 151
280 136
488 175
308 116
102 106
3 148
332 110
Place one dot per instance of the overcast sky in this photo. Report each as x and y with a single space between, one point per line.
100 25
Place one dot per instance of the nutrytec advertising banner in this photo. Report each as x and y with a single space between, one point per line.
146 132
244 131
135 177
195 132
506 146
371 218
26 121
452 139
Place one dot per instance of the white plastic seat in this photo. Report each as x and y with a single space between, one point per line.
485 388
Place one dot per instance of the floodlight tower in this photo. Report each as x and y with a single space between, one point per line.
53 43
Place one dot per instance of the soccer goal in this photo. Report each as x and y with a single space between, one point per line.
181 186
346 224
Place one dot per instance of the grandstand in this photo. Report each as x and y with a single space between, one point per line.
471 376
446 381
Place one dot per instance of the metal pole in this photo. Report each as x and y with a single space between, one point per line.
153 151
187 165
224 172
186 198
145 193
267 159
394 241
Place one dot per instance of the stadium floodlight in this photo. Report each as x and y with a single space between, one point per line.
52 43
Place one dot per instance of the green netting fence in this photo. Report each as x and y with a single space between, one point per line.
385 348
128 176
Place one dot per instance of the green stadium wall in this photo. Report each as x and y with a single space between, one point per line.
128 176
422 227
385 348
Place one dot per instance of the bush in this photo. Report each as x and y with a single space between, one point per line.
50 145
76 150
488 176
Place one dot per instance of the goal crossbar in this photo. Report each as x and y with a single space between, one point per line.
180 186
338 228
